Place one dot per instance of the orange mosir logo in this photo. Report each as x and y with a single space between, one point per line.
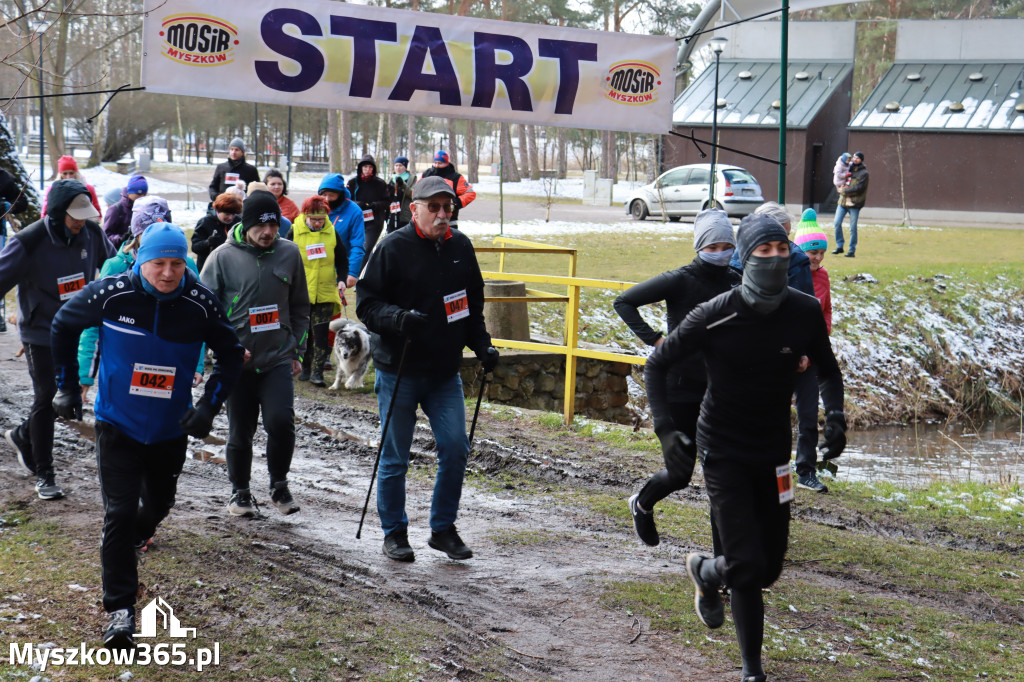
198 39
633 82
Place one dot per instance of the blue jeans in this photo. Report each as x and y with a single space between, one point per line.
444 404
841 212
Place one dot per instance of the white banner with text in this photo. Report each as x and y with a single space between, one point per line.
316 53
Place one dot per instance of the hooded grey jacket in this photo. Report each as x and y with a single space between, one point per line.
49 264
264 295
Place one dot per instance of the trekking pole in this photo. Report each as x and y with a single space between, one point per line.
383 434
476 412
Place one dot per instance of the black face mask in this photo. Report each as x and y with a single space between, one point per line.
337 203
764 282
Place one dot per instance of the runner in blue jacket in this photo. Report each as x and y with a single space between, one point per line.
347 219
153 322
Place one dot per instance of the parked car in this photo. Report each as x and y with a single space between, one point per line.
684 191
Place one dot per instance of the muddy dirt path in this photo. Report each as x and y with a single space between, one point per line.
537 599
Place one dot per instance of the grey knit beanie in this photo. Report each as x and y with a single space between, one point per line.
712 227
238 142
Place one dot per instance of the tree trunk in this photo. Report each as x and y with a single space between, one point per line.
563 149
335 153
410 132
509 171
453 152
531 146
346 141
524 156
392 138
472 155
99 134
169 145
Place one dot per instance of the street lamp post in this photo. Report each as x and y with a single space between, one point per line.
717 44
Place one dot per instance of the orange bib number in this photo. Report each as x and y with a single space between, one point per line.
784 477
314 251
153 381
456 306
396 207
70 285
264 318
368 215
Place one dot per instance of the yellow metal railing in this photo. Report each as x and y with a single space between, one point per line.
570 348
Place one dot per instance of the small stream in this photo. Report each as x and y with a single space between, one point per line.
918 454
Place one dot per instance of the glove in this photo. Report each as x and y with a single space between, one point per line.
489 360
68 403
679 453
835 436
411 322
198 421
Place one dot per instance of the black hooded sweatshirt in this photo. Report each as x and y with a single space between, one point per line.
245 171
372 192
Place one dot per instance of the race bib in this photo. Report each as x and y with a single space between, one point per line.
456 306
396 207
368 214
152 381
264 318
314 251
70 285
231 178
784 478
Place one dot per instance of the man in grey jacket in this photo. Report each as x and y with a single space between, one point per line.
261 282
49 261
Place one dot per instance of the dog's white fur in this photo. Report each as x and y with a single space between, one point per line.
351 352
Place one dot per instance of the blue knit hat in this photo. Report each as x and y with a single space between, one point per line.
137 185
441 156
162 240
402 160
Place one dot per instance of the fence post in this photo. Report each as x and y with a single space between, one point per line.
572 309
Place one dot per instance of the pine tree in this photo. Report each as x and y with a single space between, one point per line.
10 162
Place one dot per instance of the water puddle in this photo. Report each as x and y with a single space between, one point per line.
919 454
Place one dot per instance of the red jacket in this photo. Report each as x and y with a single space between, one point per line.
823 292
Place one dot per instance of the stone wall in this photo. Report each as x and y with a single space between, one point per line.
536 381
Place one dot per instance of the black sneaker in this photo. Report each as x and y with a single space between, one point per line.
120 631
317 378
811 482
449 542
643 523
397 547
242 504
707 600
837 250
47 488
850 255
19 451
282 498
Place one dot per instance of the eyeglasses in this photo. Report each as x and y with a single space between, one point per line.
436 208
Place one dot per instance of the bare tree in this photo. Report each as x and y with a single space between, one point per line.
472 153
563 160
509 171
346 141
524 157
531 147
410 131
336 159
453 152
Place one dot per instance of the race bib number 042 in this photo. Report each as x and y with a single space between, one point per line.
456 306
264 318
153 381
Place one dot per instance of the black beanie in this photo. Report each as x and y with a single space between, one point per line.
260 207
756 229
861 155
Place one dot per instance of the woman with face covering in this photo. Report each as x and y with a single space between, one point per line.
753 339
682 290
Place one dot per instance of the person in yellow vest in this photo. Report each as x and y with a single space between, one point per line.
326 261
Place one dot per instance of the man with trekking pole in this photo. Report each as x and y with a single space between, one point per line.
422 298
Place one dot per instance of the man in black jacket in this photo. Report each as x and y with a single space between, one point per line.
754 339
422 297
234 169
370 192
49 261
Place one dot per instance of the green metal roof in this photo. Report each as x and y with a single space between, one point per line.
961 96
749 88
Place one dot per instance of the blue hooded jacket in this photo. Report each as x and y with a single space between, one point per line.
348 222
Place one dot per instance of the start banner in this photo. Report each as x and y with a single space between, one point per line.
318 53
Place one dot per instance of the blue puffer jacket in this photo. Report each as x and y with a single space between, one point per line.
348 222
149 352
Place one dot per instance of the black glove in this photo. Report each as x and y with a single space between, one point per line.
835 436
411 322
489 359
679 453
198 421
68 403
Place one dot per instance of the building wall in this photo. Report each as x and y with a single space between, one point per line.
943 171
